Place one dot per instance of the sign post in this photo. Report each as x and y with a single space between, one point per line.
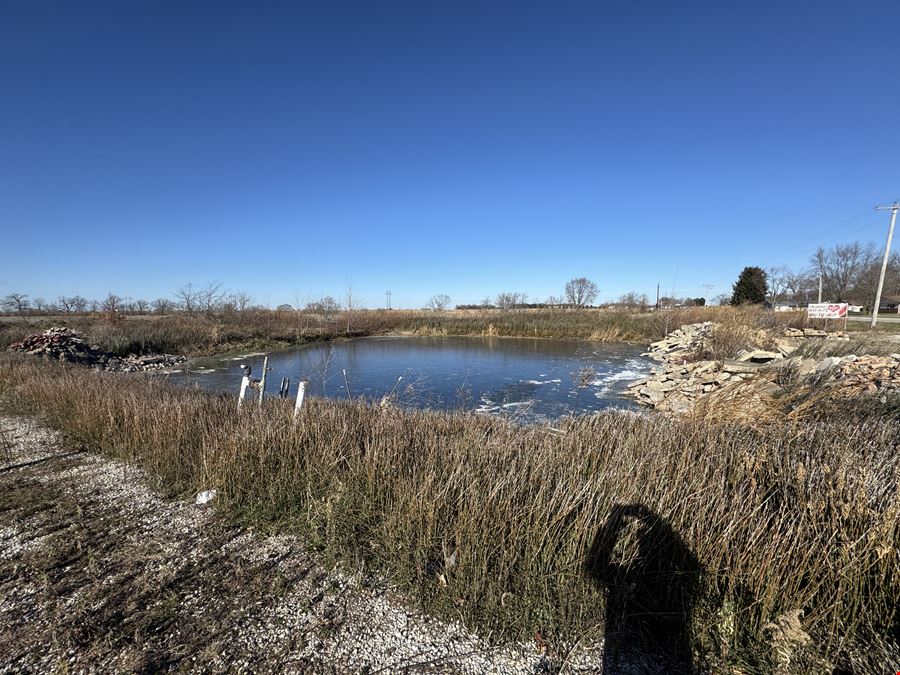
828 310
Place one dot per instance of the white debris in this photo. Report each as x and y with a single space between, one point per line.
205 497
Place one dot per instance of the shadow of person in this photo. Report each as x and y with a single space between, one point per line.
651 581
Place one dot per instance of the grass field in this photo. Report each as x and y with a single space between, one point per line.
763 549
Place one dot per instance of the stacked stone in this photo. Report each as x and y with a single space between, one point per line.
675 388
815 333
681 343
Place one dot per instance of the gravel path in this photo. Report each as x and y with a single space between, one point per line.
99 574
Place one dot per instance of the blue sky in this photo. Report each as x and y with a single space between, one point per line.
467 148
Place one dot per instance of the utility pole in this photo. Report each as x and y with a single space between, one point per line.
820 286
657 296
387 294
893 208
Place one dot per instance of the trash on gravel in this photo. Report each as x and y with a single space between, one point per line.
205 497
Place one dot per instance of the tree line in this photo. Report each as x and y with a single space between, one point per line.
847 273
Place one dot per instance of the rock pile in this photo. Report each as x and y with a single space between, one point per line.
854 375
680 344
751 379
675 388
65 344
814 333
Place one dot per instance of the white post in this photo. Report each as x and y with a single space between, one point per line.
245 382
301 391
262 381
884 263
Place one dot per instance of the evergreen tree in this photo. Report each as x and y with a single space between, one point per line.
750 288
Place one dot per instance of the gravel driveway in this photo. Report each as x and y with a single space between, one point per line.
100 574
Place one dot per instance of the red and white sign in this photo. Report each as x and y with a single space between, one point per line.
827 310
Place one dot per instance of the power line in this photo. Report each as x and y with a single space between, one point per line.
847 227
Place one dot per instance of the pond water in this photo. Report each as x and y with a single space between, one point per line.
524 378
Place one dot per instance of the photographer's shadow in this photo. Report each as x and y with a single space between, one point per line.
651 581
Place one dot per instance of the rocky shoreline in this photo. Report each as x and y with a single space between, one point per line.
65 344
754 375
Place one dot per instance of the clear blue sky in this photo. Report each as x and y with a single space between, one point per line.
465 148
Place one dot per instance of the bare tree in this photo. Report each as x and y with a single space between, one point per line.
65 304
186 297
242 301
866 284
325 305
777 278
16 302
510 300
163 305
211 297
141 306
40 305
554 301
487 303
840 268
112 304
351 304
438 303
78 304
581 291
634 300
799 286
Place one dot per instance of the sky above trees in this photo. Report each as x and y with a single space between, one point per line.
298 149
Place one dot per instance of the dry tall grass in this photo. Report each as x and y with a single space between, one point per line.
492 523
254 330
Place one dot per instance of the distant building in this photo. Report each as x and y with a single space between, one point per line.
890 303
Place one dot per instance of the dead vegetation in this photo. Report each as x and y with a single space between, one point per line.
488 522
251 330
97 574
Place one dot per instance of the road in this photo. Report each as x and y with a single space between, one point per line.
890 318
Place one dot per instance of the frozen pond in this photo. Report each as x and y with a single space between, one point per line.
530 379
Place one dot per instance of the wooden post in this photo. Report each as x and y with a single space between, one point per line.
301 391
262 381
245 382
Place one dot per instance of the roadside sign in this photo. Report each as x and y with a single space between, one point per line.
827 310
